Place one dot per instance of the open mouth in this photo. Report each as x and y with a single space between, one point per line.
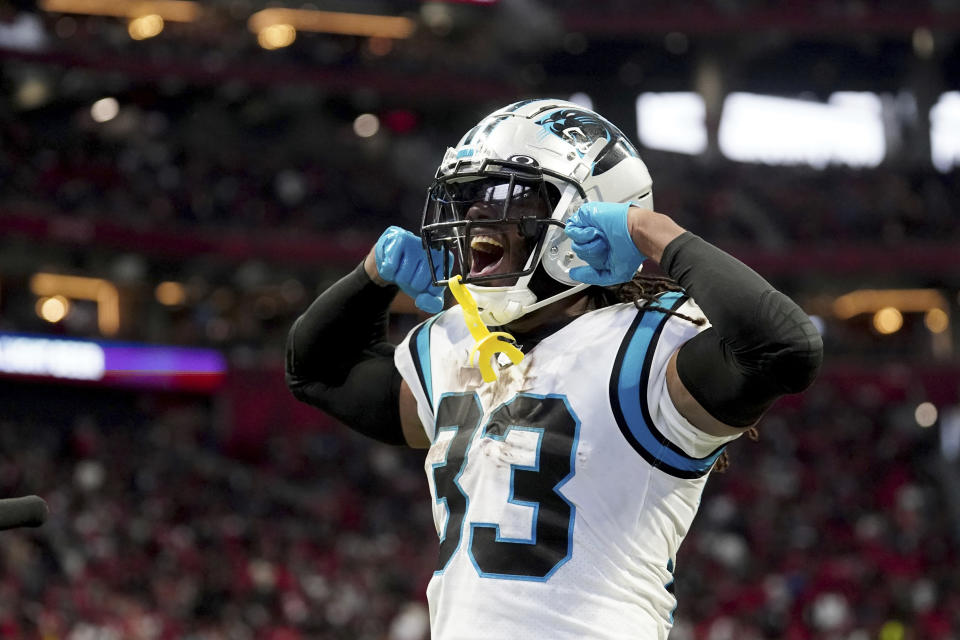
486 255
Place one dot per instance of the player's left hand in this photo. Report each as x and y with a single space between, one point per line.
601 238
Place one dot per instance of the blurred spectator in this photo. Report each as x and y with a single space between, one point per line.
153 534
217 162
832 525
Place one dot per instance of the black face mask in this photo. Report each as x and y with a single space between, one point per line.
498 199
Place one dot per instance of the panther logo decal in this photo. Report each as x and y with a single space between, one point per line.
579 128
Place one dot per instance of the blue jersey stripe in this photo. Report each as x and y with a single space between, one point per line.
628 396
420 352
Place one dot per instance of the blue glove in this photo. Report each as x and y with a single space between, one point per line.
401 260
602 240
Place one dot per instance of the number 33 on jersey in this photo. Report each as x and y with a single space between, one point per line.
521 524
561 491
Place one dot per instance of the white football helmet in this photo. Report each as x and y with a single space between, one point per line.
529 166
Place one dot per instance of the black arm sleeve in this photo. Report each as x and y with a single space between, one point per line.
761 344
338 359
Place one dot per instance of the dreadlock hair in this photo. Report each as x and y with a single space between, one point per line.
644 291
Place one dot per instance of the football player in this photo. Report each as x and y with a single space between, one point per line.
561 489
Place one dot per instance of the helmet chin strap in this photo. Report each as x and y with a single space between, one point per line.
501 305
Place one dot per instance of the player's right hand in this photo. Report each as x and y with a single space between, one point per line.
401 259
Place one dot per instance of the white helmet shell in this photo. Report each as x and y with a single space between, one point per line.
582 154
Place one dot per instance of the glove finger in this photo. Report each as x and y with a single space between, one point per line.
390 249
574 220
581 234
586 274
595 263
429 302
595 247
596 257
598 263
387 258
421 279
406 269
586 215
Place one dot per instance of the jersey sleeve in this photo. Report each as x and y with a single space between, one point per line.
641 402
413 359
694 443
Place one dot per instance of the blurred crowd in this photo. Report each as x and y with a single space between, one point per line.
825 7
834 525
179 517
229 165
212 166
254 170
156 533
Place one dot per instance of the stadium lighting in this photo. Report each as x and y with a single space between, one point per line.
144 27
936 320
53 357
168 10
923 42
925 414
53 309
945 131
888 320
847 129
104 293
672 121
276 36
888 306
872 300
437 17
32 92
170 294
350 24
366 125
104 109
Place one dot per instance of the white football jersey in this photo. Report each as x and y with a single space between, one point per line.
561 491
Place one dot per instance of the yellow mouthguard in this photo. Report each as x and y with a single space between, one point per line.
488 344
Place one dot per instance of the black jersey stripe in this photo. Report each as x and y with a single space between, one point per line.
628 396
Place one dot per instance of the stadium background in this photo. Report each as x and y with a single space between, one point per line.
186 176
